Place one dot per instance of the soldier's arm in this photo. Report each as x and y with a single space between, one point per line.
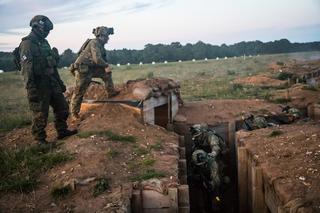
97 55
26 61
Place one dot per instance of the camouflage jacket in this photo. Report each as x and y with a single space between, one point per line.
210 142
92 53
39 64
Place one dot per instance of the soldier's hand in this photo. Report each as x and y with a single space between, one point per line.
108 69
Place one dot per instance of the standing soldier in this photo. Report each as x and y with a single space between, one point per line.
91 63
44 86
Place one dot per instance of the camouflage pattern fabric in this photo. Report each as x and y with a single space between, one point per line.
83 80
90 64
43 84
255 122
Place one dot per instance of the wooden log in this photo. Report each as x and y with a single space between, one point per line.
249 186
258 204
182 167
182 152
136 201
183 196
242 179
173 196
181 141
185 209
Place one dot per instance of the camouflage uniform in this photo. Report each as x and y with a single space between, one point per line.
44 86
252 122
91 63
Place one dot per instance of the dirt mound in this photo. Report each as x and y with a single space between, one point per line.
98 153
290 158
212 111
261 81
298 95
140 89
302 67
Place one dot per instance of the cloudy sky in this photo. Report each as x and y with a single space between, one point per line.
139 22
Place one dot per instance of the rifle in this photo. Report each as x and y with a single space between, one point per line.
134 103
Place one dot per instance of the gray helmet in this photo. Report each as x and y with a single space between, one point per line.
98 31
197 129
199 157
41 21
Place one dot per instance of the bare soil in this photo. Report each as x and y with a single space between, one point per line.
291 160
213 111
260 81
92 161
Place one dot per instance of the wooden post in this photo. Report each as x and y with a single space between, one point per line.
258 204
242 179
182 152
181 141
183 199
136 201
182 171
249 182
173 196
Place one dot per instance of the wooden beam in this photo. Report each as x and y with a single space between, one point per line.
258 204
242 179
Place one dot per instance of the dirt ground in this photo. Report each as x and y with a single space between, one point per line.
213 111
91 161
260 81
290 160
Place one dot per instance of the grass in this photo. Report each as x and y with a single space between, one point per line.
112 153
148 174
101 186
157 146
21 168
199 80
59 193
275 133
281 100
109 134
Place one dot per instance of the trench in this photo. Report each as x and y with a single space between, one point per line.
200 198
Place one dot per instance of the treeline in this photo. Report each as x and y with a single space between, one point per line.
176 51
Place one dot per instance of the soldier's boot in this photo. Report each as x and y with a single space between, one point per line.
66 133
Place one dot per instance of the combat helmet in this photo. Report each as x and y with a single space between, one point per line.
98 31
197 129
199 157
41 21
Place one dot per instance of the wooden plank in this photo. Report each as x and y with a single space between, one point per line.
183 196
182 152
249 178
173 197
154 102
148 116
136 201
182 167
258 204
185 209
242 179
181 141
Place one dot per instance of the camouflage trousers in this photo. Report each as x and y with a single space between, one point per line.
39 102
83 77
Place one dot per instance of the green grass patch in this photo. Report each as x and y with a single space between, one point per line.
59 193
101 186
148 161
21 168
148 174
157 146
275 133
141 151
109 134
112 153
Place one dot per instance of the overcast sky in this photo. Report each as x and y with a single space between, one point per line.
139 22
